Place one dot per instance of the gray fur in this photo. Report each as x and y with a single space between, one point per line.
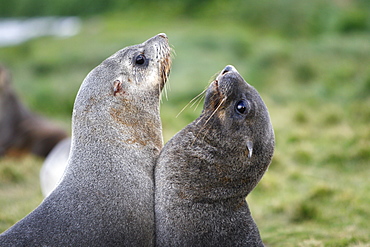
105 197
204 173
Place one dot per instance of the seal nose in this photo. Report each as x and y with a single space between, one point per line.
163 35
228 68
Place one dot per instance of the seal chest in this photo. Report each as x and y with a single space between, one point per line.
105 197
204 173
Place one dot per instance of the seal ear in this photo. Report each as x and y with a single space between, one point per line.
117 87
250 149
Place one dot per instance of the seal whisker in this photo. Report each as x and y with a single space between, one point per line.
214 77
172 50
218 107
165 71
159 89
209 118
200 95
203 130
206 129
166 89
199 100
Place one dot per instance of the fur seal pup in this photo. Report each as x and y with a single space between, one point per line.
22 131
204 173
105 197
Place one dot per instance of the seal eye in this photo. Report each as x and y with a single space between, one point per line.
140 59
241 107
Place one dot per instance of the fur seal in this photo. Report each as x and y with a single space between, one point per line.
21 130
54 165
105 197
204 173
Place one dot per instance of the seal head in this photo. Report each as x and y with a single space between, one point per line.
235 126
128 83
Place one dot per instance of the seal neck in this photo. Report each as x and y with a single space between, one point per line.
104 141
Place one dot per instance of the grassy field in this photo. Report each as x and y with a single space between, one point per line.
317 89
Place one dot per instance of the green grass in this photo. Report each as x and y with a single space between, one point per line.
19 188
317 89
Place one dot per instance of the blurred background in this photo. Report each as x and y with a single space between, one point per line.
309 60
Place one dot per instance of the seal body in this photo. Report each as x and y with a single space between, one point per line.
105 197
54 166
204 173
22 131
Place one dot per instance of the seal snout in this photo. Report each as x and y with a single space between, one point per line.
228 68
163 35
